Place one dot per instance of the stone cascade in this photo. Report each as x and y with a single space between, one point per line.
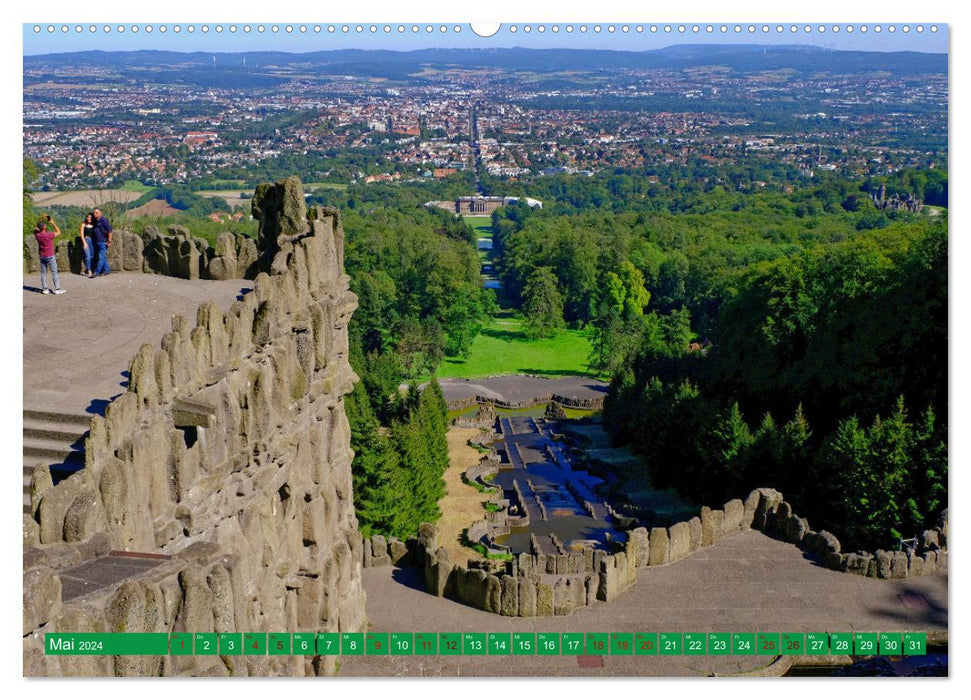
230 453
544 584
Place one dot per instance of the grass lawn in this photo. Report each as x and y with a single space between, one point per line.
503 348
482 225
135 186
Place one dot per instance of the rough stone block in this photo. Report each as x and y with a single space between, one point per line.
527 597
717 524
510 596
915 564
707 527
576 562
882 561
63 256
41 597
659 547
551 563
562 597
750 505
694 534
398 551
930 562
769 501
132 251
33 256
379 551
428 536
679 541
898 565
53 507
525 563
834 561
796 529
827 542
246 256
544 599
857 563
493 598
116 253
638 545
734 515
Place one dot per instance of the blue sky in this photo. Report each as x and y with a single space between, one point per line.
58 41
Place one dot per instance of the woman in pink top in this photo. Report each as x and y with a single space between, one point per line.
45 247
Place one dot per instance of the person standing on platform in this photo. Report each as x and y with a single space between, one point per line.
87 244
101 234
45 248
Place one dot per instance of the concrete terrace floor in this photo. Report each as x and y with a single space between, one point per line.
77 346
747 582
516 388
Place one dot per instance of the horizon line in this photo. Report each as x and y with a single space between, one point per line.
827 49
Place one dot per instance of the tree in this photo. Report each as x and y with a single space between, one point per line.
31 173
619 322
379 484
542 304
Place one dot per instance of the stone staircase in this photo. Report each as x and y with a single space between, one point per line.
54 438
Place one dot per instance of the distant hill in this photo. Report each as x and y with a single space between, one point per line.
743 58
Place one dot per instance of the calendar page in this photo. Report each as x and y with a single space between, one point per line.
523 349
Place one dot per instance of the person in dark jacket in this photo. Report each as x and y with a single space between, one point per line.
101 235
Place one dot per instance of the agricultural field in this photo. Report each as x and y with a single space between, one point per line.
84 198
232 197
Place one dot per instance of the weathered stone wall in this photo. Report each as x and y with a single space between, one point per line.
536 585
176 253
230 451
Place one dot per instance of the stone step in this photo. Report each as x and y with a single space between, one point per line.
69 433
55 438
51 450
80 420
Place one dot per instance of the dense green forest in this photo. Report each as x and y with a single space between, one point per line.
792 339
420 298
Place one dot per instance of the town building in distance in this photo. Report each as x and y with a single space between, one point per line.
481 205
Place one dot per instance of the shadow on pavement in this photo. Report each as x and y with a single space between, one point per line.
98 406
410 577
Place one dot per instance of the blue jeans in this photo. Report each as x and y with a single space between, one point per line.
102 259
88 251
49 264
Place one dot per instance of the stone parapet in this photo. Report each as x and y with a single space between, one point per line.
233 433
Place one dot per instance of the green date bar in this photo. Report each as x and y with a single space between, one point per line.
106 644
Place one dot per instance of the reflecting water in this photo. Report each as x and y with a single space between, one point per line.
553 492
